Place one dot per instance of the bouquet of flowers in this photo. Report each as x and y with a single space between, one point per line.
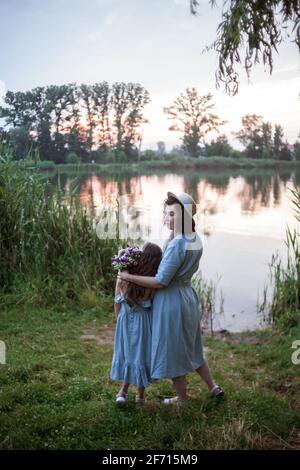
127 257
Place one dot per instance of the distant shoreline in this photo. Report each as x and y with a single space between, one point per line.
188 164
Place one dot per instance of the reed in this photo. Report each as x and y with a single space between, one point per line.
211 308
284 307
48 243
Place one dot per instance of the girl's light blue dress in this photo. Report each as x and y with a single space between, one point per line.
176 333
131 361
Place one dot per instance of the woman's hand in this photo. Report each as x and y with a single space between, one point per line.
144 281
123 275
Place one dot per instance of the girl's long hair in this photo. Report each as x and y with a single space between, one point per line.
147 266
186 218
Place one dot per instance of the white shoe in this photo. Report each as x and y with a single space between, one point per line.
175 401
217 392
121 398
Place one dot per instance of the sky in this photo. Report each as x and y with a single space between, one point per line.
156 43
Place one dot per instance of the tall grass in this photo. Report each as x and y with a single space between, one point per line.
284 307
210 310
48 244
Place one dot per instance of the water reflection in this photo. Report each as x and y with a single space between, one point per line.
242 218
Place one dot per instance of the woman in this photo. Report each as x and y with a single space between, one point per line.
176 333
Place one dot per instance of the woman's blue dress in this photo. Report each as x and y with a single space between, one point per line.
131 360
176 332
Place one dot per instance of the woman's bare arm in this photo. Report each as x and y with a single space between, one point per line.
144 281
117 306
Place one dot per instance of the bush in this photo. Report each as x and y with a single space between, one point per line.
236 154
120 156
46 164
219 147
110 157
173 156
73 158
150 155
98 156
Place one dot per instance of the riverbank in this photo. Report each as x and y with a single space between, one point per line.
175 164
56 392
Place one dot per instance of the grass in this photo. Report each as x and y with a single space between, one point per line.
56 319
56 393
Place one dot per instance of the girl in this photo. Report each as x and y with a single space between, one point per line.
132 349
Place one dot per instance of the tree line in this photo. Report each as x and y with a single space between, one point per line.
59 119
103 123
261 140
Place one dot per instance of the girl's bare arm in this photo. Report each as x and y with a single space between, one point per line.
117 306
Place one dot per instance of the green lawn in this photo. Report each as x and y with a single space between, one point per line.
56 393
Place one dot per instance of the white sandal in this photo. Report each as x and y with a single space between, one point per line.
216 391
175 401
121 398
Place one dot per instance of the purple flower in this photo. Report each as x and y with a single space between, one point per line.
126 257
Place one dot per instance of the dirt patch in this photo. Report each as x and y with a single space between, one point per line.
284 386
235 338
105 336
271 441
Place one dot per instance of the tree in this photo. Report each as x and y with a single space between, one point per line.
285 152
278 140
18 112
102 104
73 158
76 141
297 150
161 147
87 99
71 118
251 135
4 136
38 104
62 98
128 101
219 147
250 31
76 135
257 137
266 140
191 115
20 141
